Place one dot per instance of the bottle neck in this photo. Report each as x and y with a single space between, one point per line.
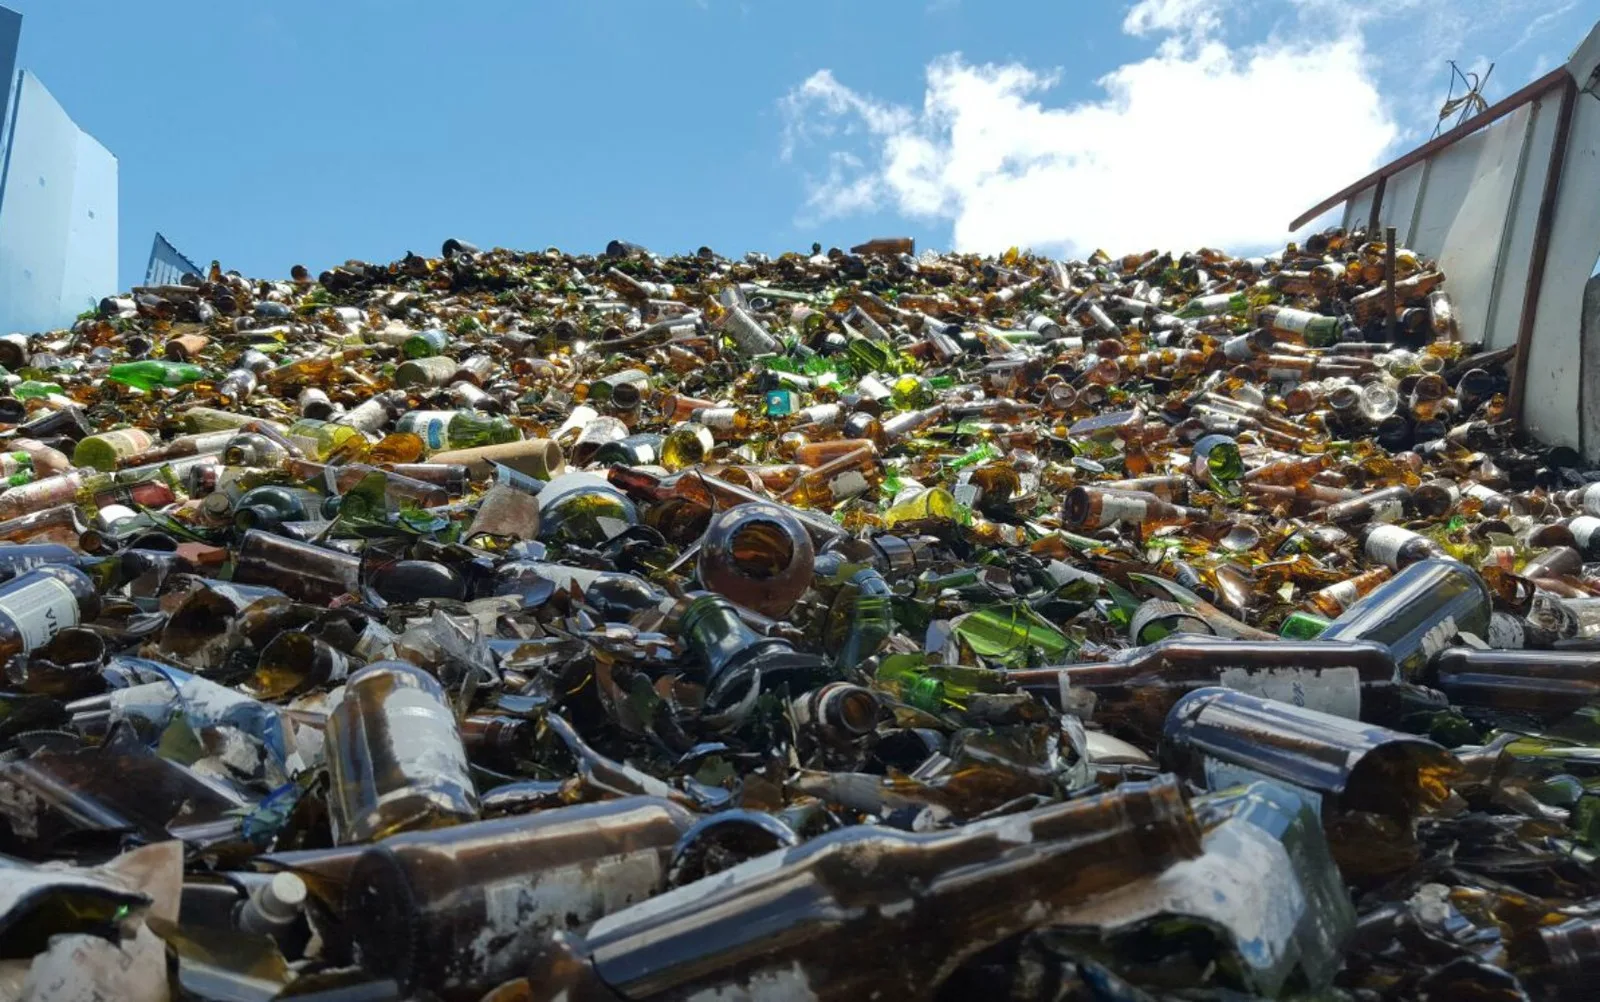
637 483
845 894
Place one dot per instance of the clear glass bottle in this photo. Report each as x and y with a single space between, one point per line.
1221 737
1418 612
862 618
395 757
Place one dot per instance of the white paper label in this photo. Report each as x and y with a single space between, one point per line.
40 610
1294 321
1591 499
1583 529
1329 690
522 911
1388 510
433 427
1114 508
432 746
1344 594
1285 375
1385 542
125 441
848 484
1238 349
1439 637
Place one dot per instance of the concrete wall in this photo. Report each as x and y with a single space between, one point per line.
10 36
58 204
1474 205
1589 361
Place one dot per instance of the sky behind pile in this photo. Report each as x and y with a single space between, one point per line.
311 131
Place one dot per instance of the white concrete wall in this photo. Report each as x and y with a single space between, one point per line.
91 268
58 217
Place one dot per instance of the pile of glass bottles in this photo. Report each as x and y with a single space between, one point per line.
860 624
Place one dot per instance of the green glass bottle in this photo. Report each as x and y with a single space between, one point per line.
867 355
1213 305
31 388
911 391
929 583
271 505
934 688
865 606
1316 330
150 373
1300 625
972 457
1216 461
441 430
322 439
735 657
426 344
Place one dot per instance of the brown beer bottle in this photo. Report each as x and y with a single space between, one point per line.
1095 508
1550 684
1135 691
460 910
867 912
1293 472
1395 547
1386 504
706 489
838 479
300 570
758 555
1333 600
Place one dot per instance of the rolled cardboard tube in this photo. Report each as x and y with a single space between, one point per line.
537 457
186 347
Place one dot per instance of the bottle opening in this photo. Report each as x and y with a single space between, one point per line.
626 396
761 548
1077 505
852 709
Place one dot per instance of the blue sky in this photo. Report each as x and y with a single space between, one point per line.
309 131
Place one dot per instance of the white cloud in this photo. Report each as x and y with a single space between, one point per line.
1196 144
1197 17
1538 25
836 104
1204 141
